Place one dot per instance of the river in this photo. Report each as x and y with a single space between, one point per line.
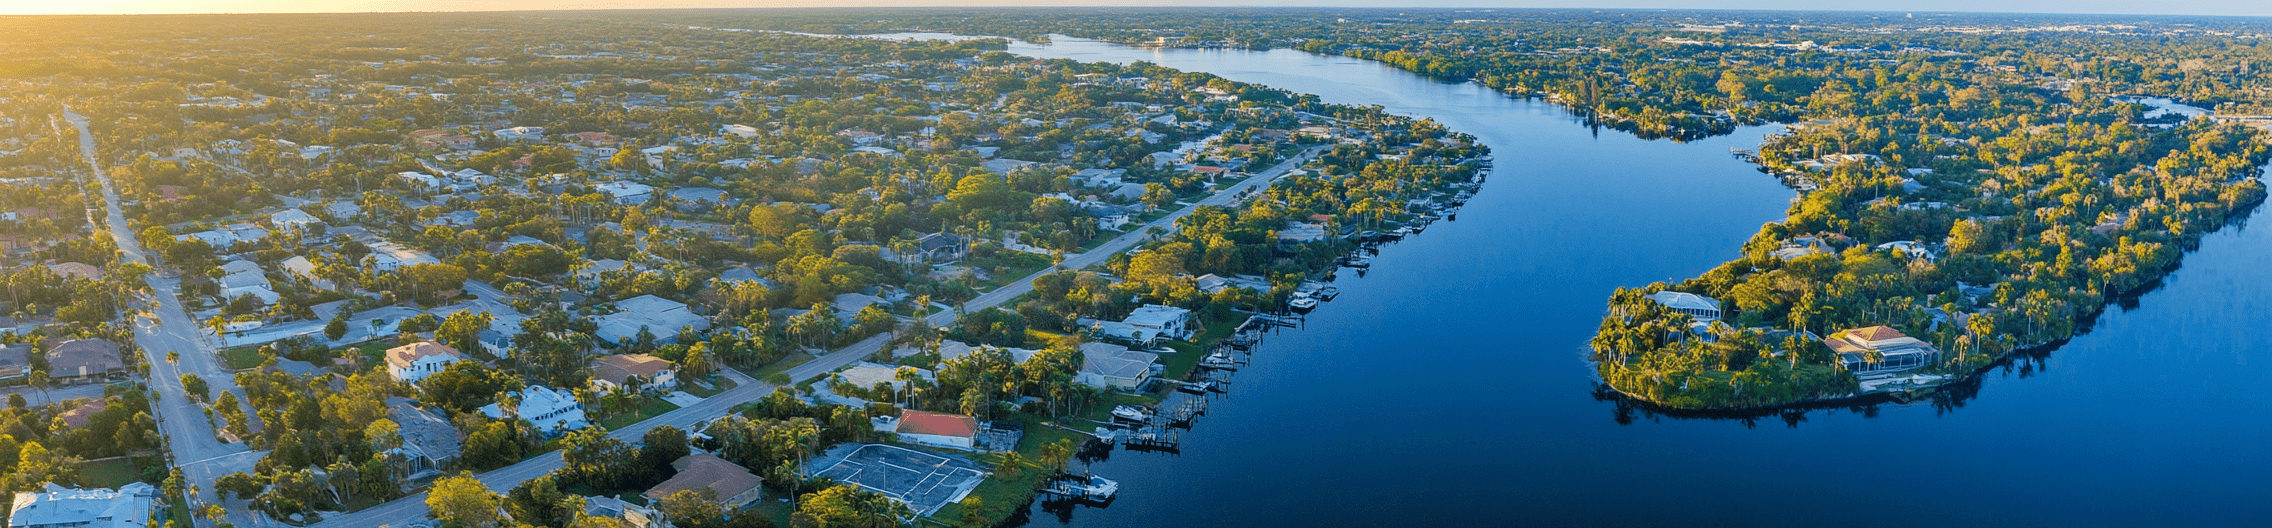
1449 386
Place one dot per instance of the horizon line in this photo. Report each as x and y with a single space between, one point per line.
1158 7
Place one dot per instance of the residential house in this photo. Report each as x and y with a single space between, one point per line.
421 180
655 374
343 210
734 485
15 360
1110 366
497 343
1800 247
77 270
224 237
937 429
658 316
1301 232
942 247
293 221
1006 165
849 304
521 133
243 277
1910 248
656 155
1099 177
84 414
388 256
413 362
543 407
631 515
742 131
56 507
1212 283
1895 351
699 196
1698 307
866 375
429 442
84 359
626 193
860 137
1148 323
591 273
305 270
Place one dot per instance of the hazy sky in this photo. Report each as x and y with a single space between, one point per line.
2173 7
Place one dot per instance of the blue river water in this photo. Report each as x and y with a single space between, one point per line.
1449 386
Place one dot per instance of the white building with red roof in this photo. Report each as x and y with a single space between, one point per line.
936 429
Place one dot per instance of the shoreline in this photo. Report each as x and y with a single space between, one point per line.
2084 323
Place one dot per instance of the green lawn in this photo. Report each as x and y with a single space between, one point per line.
1101 238
722 383
109 472
1002 495
1185 358
771 507
653 407
178 512
786 363
241 358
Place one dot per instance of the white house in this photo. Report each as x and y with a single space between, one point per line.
1910 248
627 193
413 362
56 506
521 133
388 256
745 131
543 407
658 316
1110 366
1703 309
420 179
1154 321
305 269
293 221
229 235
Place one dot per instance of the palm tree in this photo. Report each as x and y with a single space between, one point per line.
39 380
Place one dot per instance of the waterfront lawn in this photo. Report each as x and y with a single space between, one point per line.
109 472
1000 496
1185 358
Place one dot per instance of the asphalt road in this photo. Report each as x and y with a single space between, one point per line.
411 510
166 327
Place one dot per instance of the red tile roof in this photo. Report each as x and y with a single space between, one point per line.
919 422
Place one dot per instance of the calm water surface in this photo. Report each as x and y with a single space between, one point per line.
1448 387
